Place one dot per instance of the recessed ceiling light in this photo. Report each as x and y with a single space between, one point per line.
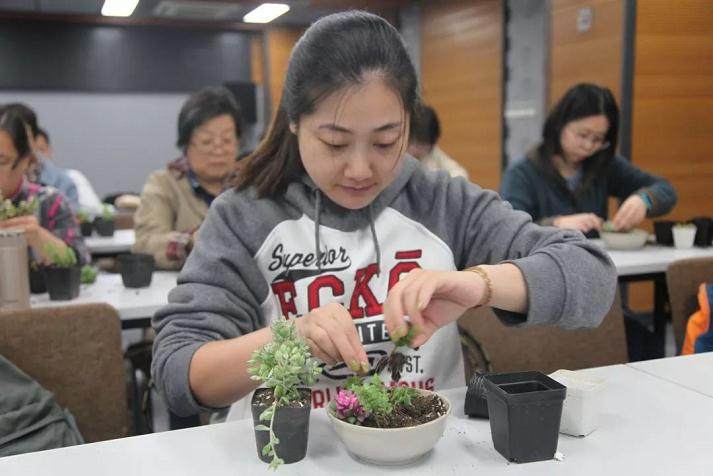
119 8
266 12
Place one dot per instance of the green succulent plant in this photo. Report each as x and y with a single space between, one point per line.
61 256
283 365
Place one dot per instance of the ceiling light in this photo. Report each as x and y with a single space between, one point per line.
119 8
266 12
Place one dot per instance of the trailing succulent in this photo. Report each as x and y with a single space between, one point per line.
283 365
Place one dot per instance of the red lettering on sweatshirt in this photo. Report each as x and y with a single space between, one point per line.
363 291
328 281
286 294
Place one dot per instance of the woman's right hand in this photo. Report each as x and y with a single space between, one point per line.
583 222
332 337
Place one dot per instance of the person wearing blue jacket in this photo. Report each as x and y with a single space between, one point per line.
566 181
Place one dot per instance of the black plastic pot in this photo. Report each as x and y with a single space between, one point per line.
291 426
104 227
136 269
704 231
87 227
476 400
663 229
63 283
525 410
37 281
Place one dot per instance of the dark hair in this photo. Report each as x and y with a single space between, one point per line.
43 133
425 126
203 106
581 100
336 51
14 125
27 115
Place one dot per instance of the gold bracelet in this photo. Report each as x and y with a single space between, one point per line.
488 285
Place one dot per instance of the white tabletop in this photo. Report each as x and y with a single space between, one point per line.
131 303
648 426
651 258
694 372
121 242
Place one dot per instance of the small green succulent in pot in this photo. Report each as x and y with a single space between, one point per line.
108 212
61 256
62 273
285 366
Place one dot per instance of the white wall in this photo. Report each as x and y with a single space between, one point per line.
116 140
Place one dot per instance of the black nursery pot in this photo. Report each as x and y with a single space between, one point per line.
291 427
525 411
104 227
704 231
37 281
476 400
136 269
663 229
87 227
63 283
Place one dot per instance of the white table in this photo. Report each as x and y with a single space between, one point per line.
651 259
135 306
649 426
121 242
694 372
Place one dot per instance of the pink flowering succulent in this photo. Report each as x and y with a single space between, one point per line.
349 409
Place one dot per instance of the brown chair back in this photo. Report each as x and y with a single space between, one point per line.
683 278
74 352
546 348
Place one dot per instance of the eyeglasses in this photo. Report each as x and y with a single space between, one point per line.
208 144
584 138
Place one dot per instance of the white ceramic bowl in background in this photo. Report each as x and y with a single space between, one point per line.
583 404
625 241
391 446
684 236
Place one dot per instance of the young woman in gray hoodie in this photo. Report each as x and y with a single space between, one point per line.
333 225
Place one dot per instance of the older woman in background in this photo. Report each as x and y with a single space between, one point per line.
175 200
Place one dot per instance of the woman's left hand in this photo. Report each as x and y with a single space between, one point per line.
431 299
630 213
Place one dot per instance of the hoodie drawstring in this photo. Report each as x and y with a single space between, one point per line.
317 216
317 213
376 240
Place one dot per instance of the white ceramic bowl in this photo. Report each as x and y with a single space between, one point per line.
630 240
391 446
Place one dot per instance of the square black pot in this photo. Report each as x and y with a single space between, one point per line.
663 229
63 283
525 411
37 281
291 427
104 227
704 231
86 228
136 269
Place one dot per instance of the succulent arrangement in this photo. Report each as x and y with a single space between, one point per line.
10 210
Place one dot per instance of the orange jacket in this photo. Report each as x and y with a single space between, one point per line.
699 334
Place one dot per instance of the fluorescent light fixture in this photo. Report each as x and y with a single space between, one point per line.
266 12
119 8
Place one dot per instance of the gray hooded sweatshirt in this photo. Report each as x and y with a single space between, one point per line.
258 258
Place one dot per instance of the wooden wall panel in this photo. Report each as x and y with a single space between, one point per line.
593 56
673 99
461 70
257 59
278 46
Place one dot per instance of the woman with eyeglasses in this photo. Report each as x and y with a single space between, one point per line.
175 201
567 179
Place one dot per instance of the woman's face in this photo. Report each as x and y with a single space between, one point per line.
353 143
10 178
584 137
213 149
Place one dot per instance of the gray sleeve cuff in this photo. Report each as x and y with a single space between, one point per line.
174 382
